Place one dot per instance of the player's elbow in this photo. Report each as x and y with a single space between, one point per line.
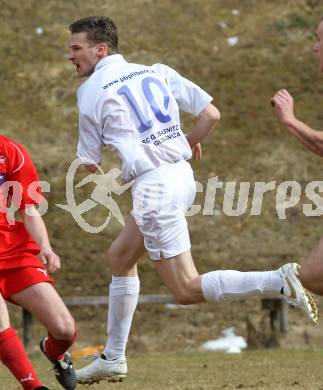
215 115
211 114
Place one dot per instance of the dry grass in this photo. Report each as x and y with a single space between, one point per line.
288 370
37 108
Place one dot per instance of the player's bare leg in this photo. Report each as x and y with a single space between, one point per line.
188 287
126 250
181 278
311 271
123 255
46 305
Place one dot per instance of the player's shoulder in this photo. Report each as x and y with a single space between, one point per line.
11 152
8 143
133 67
4 151
161 68
157 67
4 140
166 71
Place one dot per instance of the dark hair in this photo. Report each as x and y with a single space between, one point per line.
99 29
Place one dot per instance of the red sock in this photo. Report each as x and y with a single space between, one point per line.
14 356
55 349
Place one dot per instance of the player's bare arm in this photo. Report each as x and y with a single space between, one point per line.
35 226
197 152
284 109
205 122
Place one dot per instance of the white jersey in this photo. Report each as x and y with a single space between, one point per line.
134 109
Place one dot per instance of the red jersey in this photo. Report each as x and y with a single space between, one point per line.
17 248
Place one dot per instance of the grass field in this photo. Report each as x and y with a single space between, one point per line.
271 370
37 108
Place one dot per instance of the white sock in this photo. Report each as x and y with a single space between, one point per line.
220 285
123 299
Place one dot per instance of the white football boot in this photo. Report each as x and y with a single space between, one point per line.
295 294
102 369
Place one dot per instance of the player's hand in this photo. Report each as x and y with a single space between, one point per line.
50 259
284 106
197 152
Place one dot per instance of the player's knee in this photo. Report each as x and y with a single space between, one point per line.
183 299
183 296
187 291
117 260
113 255
65 328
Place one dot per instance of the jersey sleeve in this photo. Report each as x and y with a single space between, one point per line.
89 148
23 172
189 96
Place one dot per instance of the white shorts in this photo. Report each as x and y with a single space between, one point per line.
161 198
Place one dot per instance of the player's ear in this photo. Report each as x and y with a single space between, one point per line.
102 50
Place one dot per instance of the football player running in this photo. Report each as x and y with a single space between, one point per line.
134 109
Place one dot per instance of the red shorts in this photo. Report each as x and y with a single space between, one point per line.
15 280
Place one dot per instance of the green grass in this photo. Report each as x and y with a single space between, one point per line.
272 370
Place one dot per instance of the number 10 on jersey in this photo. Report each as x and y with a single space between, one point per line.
145 123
